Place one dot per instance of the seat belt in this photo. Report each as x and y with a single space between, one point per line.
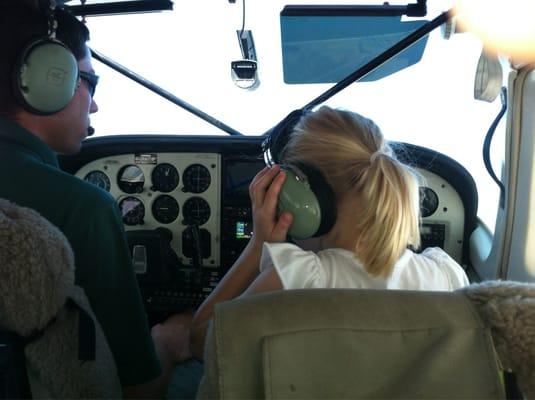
14 383
512 391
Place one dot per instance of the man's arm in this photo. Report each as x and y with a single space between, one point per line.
104 270
171 340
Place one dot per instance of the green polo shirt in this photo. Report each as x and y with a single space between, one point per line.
90 219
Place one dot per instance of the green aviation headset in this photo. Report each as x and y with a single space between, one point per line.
306 194
46 74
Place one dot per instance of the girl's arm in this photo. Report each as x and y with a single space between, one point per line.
264 192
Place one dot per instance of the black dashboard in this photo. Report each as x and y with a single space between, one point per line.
186 209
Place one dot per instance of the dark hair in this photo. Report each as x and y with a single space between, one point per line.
22 22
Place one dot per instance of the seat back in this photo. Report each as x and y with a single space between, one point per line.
338 343
55 338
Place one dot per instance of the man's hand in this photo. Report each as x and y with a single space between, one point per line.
264 192
172 336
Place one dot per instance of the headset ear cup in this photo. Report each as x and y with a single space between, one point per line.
324 196
307 195
46 77
297 197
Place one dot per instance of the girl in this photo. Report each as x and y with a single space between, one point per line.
377 219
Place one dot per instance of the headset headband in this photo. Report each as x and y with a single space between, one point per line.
278 136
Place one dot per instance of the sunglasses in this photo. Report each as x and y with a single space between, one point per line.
91 81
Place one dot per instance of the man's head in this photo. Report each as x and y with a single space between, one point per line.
22 23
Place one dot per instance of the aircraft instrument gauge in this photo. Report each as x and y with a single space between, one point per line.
196 211
164 178
165 209
131 179
132 211
196 179
98 178
428 201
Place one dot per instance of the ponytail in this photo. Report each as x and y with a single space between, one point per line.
389 219
351 152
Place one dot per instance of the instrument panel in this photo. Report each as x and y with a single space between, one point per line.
443 215
173 191
187 214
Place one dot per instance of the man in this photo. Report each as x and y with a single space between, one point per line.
30 137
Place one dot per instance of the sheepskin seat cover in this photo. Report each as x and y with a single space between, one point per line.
508 308
37 270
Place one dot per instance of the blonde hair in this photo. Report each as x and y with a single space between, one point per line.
351 152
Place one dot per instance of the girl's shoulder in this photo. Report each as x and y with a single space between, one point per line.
297 268
328 268
433 267
430 255
285 250
291 250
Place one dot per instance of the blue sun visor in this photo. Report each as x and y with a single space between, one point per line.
327 44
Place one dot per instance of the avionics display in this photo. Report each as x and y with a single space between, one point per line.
239 175
244 230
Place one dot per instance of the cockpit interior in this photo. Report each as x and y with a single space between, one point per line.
184 199
191 93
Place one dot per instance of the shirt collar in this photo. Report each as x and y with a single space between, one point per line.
12 132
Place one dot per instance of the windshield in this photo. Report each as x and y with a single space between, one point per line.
188 52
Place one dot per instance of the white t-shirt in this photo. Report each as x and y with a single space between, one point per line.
433 269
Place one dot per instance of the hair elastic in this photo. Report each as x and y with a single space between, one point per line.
378 153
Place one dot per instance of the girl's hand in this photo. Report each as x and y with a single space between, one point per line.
264 192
